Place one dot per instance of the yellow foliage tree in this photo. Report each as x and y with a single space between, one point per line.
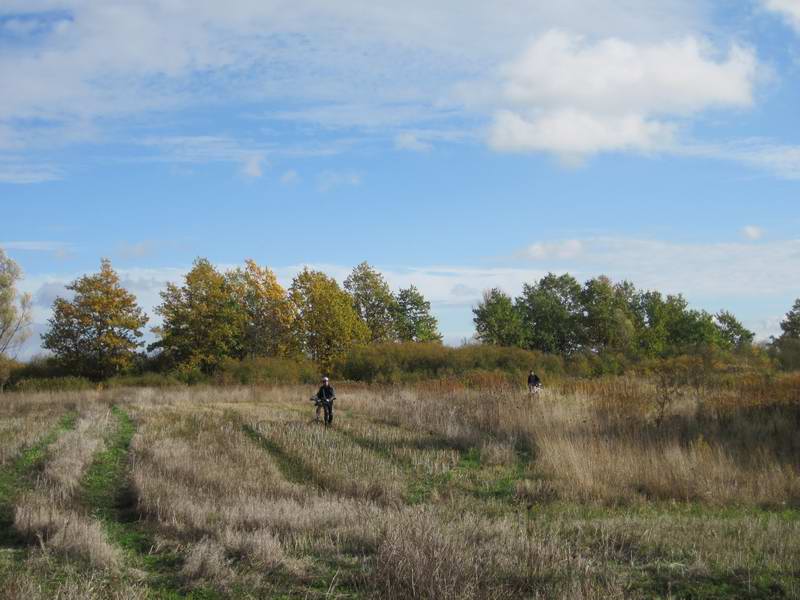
96 334
326 323
269 314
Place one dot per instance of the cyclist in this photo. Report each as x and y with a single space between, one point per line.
534 383
326 395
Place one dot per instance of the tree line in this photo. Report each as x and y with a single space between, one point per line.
560 315
215 316
240 313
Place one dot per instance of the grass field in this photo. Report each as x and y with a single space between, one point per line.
427 492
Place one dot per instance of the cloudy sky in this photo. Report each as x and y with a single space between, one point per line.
457 145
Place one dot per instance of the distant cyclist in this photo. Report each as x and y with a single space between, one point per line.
326 395
534 383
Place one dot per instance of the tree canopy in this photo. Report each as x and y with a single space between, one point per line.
202 320
267 311
373 301
497 320
326 324
96 333
413 317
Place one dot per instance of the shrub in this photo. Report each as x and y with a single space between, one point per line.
266 371
409 362
54 384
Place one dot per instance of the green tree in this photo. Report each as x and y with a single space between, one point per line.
552 314
733 334
413 318
374 302
203 323
790 326
786 347
15 309
497 321
267 309
608 321
96 334
326 325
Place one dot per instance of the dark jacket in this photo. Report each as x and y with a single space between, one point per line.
533 379
326 393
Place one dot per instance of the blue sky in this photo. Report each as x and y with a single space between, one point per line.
455 145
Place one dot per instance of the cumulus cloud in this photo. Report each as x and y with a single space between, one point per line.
589 76
752 232
568 95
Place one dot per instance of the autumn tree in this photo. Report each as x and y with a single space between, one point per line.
497 320
374 302
96 333
203 322
268 312
413 318
326 324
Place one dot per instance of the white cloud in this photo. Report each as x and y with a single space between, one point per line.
699 269
752 232
589 75
571 96
78 62
411 141
553 250
789 9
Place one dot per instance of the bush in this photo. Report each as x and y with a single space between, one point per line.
410 362
266 371
54 384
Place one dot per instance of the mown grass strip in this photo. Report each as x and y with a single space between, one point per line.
17 476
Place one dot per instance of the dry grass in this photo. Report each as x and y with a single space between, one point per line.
48 512
578 494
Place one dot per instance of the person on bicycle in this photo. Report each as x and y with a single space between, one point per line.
326 395
534 383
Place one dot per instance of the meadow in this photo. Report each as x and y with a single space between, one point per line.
598 488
